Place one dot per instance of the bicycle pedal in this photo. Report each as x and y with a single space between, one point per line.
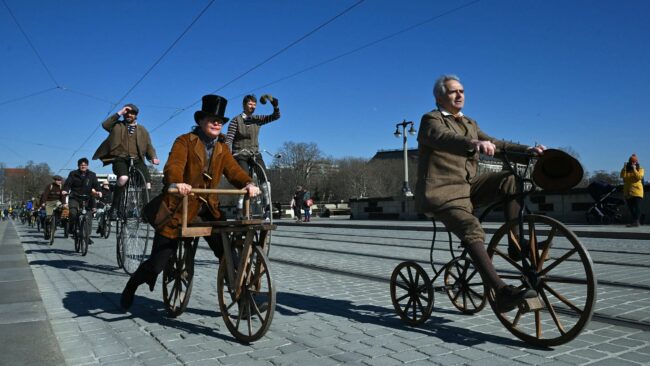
531 304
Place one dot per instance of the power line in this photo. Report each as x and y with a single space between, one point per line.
274 55
28 96
31 44
166 52
144 75
367 45
65 89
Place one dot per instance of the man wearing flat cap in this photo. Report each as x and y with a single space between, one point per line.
126 140
449 188
197 160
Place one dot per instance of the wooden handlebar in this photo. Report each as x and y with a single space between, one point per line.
213 191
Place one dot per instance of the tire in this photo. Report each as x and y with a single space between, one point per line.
566 282
86 228
77 238
52 228
118 244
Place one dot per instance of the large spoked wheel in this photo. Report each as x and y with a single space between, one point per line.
411 292
566 282
260 205
249 316
134 232
177 278
464 285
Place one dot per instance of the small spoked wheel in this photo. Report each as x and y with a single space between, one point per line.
177 278
561 273
411 292
464 285
249 315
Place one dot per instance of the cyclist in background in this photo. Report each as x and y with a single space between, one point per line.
243 133
52 196
127 139
80 182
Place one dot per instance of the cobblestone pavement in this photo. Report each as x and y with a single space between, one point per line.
333 307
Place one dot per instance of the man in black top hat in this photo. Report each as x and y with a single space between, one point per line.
126 140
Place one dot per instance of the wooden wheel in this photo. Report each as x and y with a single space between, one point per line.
561 272
411 293
464 285
177 277
249 316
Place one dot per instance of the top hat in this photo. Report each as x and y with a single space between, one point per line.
556 170
213 106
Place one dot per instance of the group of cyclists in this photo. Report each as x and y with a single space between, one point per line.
129 142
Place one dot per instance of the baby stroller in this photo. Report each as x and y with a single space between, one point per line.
606 209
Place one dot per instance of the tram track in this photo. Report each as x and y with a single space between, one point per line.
428 242
596 317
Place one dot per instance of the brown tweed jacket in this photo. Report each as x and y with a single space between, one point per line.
186 164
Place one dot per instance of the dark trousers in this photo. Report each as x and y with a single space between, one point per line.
634 203
163 248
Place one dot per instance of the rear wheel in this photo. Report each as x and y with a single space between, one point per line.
411 293
177 277
464 285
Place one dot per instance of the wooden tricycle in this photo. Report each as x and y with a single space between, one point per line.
245 288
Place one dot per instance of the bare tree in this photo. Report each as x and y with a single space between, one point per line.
613 177
298 164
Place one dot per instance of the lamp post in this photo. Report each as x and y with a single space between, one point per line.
406 190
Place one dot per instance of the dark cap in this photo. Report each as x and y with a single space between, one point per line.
57 177
133 107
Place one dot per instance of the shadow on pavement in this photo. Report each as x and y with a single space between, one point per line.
78 265
105 306
377 315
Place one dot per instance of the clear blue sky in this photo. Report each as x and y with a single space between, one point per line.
561 73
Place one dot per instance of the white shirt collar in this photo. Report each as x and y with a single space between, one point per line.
445 113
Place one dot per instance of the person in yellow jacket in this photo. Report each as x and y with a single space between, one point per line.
632 175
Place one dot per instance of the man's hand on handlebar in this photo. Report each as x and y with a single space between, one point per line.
537 149
96 194
183 189
252 189
485 147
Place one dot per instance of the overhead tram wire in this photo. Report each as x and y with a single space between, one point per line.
274 55
367 45
30 43
143 76
29 95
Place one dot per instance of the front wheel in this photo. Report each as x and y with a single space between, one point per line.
86 228
249 316
52 228
562 274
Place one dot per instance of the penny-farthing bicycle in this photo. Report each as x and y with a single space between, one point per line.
552 261
131 231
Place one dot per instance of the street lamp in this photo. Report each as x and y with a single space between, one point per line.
406 190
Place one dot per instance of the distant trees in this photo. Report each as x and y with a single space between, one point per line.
22 185
330 179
